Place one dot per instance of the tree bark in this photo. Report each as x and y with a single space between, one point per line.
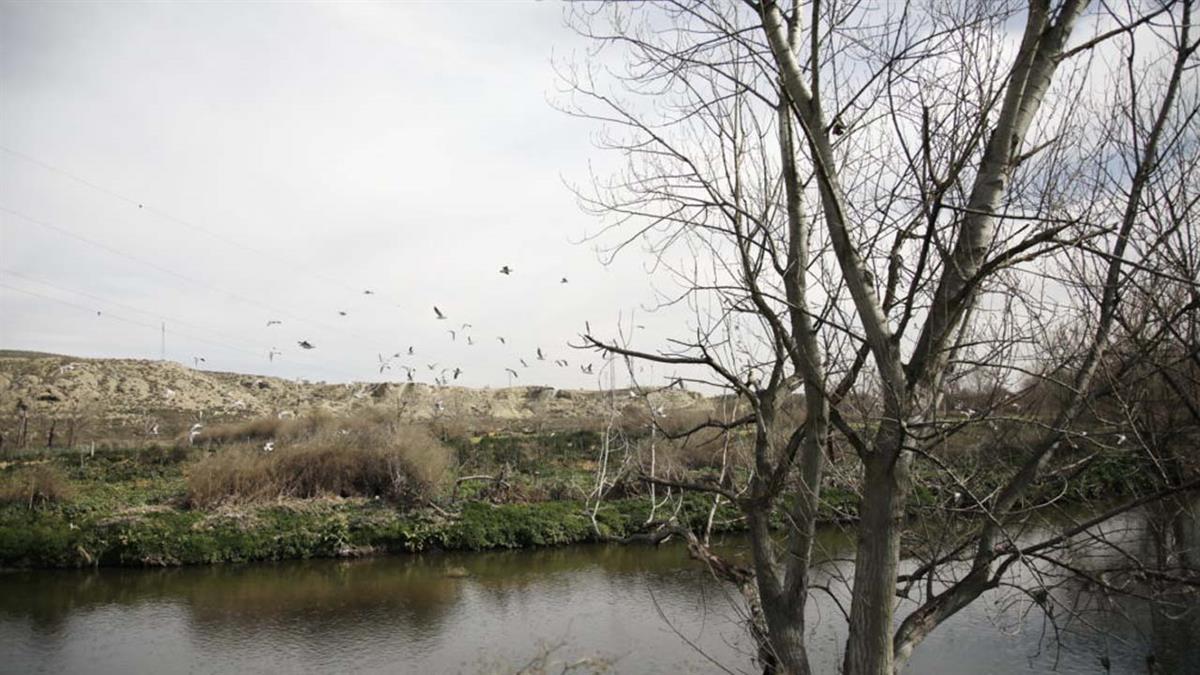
945 604
1036 62
881 521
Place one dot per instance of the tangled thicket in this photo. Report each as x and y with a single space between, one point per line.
34 485
362 455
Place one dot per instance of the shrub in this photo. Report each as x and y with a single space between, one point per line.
704 449
364 455
163 455
35 485
261 429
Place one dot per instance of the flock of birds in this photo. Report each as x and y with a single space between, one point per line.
446 374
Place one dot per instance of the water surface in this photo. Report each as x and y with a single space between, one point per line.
651 610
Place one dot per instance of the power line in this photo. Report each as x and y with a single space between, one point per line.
290 264
141 206
117 317
258 349
114 303
170 272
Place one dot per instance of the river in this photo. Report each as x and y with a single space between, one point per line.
646 610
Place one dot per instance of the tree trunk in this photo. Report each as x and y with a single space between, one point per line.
785 621
869 645
786 625
1186 528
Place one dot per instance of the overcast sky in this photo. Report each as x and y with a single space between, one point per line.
218 165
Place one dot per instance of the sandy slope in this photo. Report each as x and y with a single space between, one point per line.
129 396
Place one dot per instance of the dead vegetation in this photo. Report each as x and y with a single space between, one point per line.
263 429
366 454
35 485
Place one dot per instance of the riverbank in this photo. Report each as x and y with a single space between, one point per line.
294 529
130 508
133 508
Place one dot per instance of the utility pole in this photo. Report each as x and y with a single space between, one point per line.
162 348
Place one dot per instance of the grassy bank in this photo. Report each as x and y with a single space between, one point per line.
177 505
131 507
141 520
319 528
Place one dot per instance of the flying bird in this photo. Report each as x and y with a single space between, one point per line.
368 292
470 342
305 344
512 372
457 372
431 366
439 314
273 322
540 356
523 362
506 270
272 354
197 360
410 351
564 280
465 326
501 339
586 370
341 313
453 335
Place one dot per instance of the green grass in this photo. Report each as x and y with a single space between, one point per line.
128 507
58 538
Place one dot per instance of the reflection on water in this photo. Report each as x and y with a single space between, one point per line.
401 614
420 614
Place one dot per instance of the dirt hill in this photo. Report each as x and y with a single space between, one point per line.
131 398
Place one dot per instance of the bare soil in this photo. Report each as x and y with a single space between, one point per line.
120 399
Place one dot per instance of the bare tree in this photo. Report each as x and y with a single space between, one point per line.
876 205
